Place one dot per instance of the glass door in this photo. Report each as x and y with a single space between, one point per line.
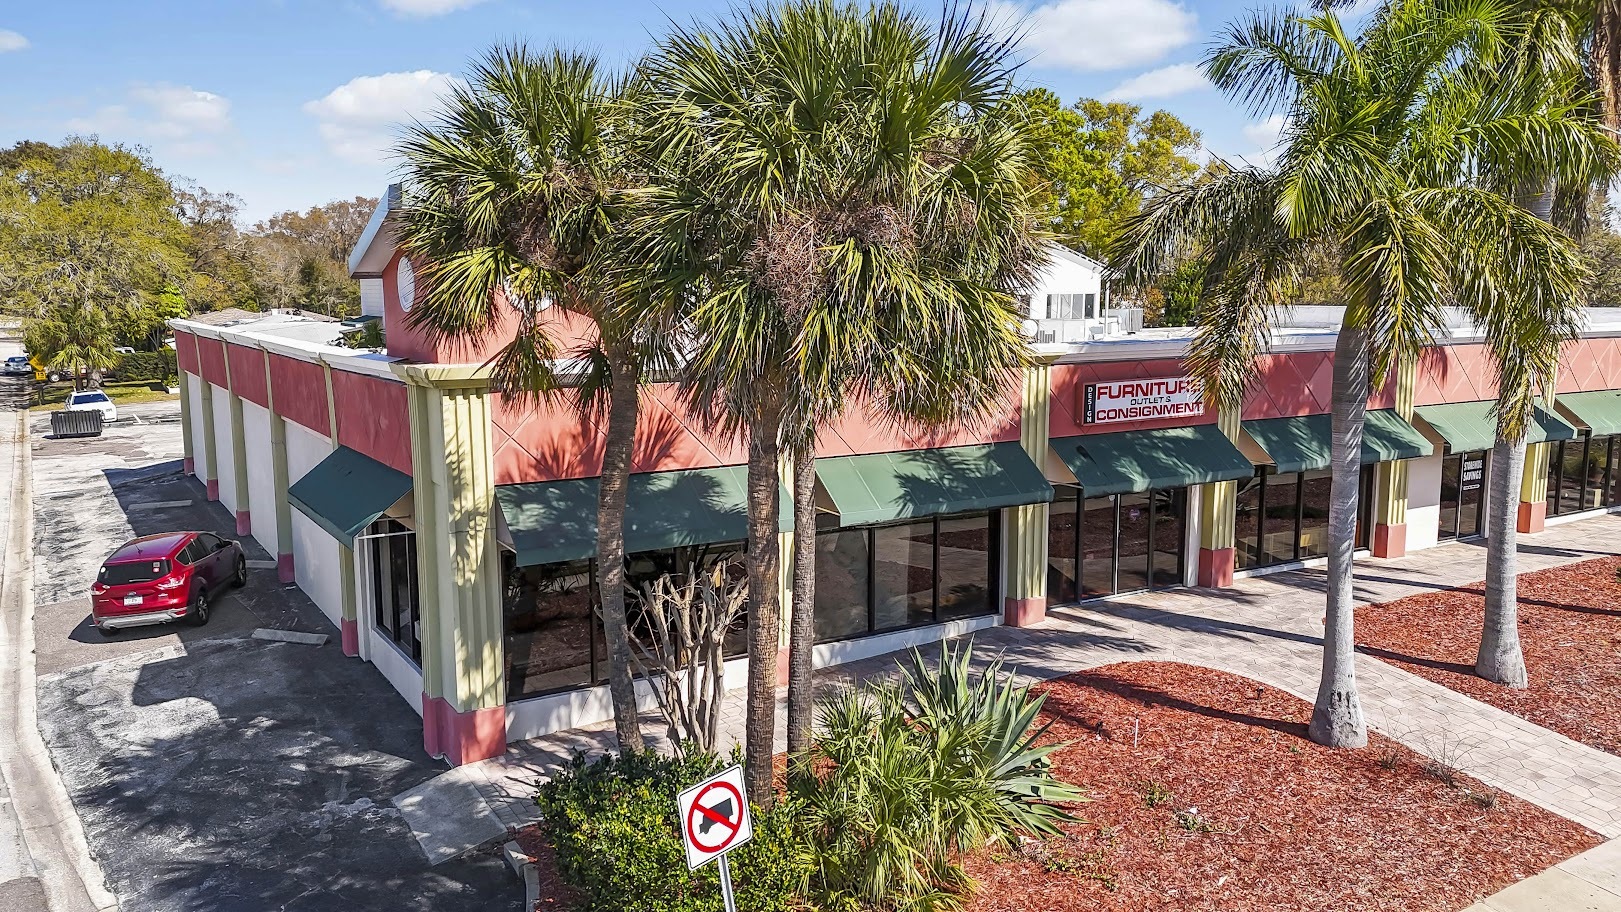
1471 491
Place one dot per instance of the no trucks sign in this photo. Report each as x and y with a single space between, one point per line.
714 817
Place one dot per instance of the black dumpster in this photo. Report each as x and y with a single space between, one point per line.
76 424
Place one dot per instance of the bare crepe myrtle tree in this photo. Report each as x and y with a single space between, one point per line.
682 653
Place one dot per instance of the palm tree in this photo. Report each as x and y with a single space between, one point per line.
510 203
1379 126
843 215
73 339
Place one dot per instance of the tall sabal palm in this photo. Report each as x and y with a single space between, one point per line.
1366 167
842 215
511 198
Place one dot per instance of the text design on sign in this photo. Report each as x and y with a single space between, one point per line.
1142 400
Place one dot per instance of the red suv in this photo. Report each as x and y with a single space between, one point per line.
166 577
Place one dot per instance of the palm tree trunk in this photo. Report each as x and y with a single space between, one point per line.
1336 719
765 618
623 405
802 629
1500 659
1606 59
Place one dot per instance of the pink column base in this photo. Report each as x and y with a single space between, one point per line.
1533 516
462 737
188 465
350 633
1216 567
213 487
782 667
285 570
1023 612
244 522
1389 541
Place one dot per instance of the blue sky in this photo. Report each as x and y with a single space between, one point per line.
290 103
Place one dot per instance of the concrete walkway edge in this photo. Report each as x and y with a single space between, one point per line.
61 857
1590 882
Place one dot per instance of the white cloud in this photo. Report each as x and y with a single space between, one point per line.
358 120
1265 135
181 119
425 8
12 41
1098 34
1164 82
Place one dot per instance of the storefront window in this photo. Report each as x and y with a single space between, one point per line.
1284 518
553 637
1573 476
884 578
1579 478
1463 478
1126 543
1097 547
552 632
1062 544
393 556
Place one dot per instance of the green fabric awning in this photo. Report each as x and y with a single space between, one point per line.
883 487
1600 411
1471 426
1302 444
346 492
555 521
1130 461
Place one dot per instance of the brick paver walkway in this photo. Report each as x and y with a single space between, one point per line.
1266 628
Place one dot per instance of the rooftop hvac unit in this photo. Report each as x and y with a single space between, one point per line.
1131 319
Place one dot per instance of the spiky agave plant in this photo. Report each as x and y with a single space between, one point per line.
909 775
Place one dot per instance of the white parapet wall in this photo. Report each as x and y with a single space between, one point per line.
261 474
315 554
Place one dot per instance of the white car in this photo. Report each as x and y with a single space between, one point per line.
92 401
17 365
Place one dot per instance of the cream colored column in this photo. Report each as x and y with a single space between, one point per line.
211 470
239 453
1025 591
279 483
1390 479
1217 514
188 454
350 626
458 562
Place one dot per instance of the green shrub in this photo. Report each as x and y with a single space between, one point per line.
613 822
910 776
156 367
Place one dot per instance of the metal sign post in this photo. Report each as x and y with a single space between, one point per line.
714 817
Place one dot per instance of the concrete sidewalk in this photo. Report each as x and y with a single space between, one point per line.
1590 882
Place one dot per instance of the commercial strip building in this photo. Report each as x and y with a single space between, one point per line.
449 533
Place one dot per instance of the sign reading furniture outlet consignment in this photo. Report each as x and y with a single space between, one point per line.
1141 400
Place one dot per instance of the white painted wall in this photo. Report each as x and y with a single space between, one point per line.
315 554
394 664
194 414
222 448
1066 273
1423 502
261 474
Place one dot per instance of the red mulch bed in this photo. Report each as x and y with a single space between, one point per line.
555 893
1207 795
1570 631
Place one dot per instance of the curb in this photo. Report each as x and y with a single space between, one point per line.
525 869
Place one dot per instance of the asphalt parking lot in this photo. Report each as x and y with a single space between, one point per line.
213 771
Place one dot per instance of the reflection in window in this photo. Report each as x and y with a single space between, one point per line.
908 587
1170 518
1315 489
1097 547
1133 548
1062 584
1247 523
1278 535
553 637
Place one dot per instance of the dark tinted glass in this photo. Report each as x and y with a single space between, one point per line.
552 635
842 564
1170 516
1278 536
1447 522
1471 485
1097 547
1133 560
1598 456
967 547
1556 457
1062 530
1571 477
126 574
1315 488
1247 524
903 575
